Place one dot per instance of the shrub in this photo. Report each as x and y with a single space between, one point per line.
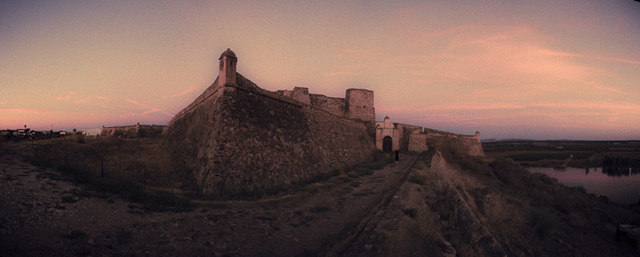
541 222
363 171
412 212
124 236
166 201
319 209
418 179
75 234
68 199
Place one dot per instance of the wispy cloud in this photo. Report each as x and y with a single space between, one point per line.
604 88
549 52
473 107
63 97
66 96
186 91
341 73
101 97
22 110
612 107
76 97
136 103
152 109
123 112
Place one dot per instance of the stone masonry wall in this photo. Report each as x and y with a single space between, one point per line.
134 131
333 105
418 143
406 132
246 139
469 145
301 94
360 104
417 139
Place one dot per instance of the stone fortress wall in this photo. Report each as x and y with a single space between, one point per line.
412 138
134 131
466 144
357 104
333 105
237 138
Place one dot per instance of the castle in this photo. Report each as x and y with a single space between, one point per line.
239 138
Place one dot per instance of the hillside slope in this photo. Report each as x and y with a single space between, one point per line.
463 207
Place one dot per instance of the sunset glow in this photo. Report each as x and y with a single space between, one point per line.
534 69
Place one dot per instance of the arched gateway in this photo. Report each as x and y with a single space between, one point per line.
387 144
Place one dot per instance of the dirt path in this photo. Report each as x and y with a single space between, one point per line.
42 215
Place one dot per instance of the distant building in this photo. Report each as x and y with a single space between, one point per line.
134 131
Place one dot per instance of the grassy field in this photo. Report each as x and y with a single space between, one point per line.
565 153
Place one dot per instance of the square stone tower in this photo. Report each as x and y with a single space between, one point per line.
359 104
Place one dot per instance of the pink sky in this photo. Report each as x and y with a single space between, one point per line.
538 69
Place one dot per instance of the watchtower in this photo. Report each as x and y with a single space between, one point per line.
228 63
359 104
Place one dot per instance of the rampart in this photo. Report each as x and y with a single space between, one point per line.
134 131
404 137
465 144
241 138
357 104
333 105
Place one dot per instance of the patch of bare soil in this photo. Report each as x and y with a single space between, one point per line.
42 214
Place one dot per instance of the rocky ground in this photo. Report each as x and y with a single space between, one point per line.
421 206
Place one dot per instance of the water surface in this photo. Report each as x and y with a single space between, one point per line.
621 186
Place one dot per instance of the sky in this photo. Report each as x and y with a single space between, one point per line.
509 69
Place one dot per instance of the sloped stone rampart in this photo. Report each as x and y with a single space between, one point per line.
469 145
333 105
244 139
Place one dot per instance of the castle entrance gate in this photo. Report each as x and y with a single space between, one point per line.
387 144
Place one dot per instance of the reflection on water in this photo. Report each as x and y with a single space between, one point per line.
620 171
618 166
617 183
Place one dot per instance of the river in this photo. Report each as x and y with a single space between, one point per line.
620 186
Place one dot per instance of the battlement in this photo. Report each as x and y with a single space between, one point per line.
357 104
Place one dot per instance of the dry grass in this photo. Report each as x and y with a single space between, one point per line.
111 166
143 161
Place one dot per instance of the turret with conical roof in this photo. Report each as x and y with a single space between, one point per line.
228 63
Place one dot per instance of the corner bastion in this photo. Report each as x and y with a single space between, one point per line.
238 138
